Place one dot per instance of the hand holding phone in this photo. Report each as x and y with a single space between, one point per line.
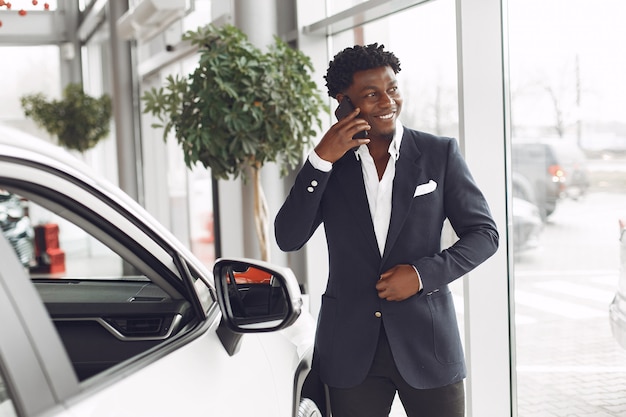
345 108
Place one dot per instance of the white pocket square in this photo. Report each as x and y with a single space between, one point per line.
422 189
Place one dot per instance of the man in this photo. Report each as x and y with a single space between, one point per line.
387 322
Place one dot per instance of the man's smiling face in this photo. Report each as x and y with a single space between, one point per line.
375 92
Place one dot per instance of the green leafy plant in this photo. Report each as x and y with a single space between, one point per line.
240 108
78 121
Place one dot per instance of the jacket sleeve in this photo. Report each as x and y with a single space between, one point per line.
467 210
301 214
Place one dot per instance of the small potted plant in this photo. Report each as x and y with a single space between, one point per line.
78 121
240 108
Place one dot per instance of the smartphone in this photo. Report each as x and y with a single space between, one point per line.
345 108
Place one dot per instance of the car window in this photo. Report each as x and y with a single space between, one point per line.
61 249
48 245
6 404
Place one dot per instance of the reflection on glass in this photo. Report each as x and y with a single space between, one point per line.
256 296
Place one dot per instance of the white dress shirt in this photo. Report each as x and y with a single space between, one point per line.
379 192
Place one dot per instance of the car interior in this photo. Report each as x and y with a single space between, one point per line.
103 323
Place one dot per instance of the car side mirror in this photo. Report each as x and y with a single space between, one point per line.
255 296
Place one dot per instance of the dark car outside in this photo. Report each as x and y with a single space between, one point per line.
553 169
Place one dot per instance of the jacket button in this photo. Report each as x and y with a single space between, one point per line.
378 314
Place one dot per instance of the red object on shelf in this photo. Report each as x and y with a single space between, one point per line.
50 258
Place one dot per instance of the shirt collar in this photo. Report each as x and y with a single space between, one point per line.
394 146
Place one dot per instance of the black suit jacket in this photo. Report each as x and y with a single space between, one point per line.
432 183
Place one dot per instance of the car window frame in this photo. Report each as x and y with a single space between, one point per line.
114 198
30 185
33 165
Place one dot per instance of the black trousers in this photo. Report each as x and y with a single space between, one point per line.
374 397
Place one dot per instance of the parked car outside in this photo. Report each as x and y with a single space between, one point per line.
617 309
126 321
555 168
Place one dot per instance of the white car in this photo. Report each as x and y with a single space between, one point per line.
117 318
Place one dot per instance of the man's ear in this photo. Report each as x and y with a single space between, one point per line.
339 97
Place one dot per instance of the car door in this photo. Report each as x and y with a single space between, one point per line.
133 328
194 375
123 298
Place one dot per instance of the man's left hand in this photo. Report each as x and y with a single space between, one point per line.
398 283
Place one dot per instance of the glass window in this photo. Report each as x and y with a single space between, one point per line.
201 220
28 70
189 191
429 88
64 250
568 157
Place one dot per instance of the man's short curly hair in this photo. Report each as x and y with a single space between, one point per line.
357 58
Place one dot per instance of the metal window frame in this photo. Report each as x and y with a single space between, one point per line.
359 15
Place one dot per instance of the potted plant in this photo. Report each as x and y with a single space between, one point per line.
78 121
239 109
